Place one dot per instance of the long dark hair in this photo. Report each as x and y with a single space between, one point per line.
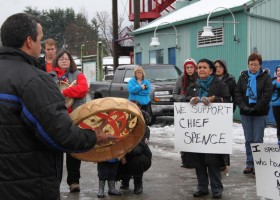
73 66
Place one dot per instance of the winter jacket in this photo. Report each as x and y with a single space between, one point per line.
136 93
43 65
275 99
138 160
35 128
77 92
194 160
229 80
177 91
216 88
264 93
142 147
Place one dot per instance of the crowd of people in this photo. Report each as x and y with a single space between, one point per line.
253 93
36 128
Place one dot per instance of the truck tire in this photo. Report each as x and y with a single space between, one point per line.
153 120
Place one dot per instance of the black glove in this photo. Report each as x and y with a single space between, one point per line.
248 109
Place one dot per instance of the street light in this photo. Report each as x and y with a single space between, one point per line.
207 30
155 40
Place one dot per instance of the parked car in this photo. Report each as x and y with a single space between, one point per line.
162 78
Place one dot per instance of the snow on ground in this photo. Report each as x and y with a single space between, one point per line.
162 138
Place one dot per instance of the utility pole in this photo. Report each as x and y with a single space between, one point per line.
136 7
115 34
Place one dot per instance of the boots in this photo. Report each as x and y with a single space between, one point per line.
138 185
101 189
125 184
112 190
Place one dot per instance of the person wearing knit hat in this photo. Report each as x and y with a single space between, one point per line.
275 100
207 89
186 78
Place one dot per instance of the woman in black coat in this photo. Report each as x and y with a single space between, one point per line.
252 95
207 89
229 80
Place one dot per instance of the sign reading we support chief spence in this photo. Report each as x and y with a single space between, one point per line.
203 129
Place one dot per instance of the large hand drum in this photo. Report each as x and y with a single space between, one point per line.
119 117
68 101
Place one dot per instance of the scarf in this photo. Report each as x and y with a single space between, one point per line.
251 91
204 86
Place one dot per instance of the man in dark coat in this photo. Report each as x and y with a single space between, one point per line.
35 127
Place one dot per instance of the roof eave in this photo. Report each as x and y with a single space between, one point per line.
194 19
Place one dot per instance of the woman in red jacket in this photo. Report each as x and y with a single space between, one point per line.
65 69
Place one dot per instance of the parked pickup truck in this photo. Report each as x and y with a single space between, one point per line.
162 78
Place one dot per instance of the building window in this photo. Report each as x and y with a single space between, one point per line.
156 56
217 39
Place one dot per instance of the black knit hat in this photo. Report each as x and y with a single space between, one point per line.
209 62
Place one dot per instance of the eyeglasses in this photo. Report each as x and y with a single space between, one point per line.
189 68
254 65
62 59
219 67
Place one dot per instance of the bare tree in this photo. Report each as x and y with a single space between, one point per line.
103 21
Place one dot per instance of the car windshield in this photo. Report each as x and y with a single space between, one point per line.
164 74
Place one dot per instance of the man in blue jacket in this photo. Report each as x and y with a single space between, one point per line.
35 128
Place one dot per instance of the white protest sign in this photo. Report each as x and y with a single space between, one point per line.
267 169
203 129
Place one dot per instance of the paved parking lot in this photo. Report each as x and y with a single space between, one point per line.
166 180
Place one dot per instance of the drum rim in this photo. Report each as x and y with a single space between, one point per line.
110 151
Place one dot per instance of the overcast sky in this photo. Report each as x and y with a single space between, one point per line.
9 7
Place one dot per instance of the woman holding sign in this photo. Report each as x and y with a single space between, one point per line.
207 89
252 94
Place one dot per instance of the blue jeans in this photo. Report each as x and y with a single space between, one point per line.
253 127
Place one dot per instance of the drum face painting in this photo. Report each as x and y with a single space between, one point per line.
68 101
118 117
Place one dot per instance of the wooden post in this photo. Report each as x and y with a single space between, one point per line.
99 61
115 34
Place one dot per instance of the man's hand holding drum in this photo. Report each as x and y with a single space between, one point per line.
102 137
